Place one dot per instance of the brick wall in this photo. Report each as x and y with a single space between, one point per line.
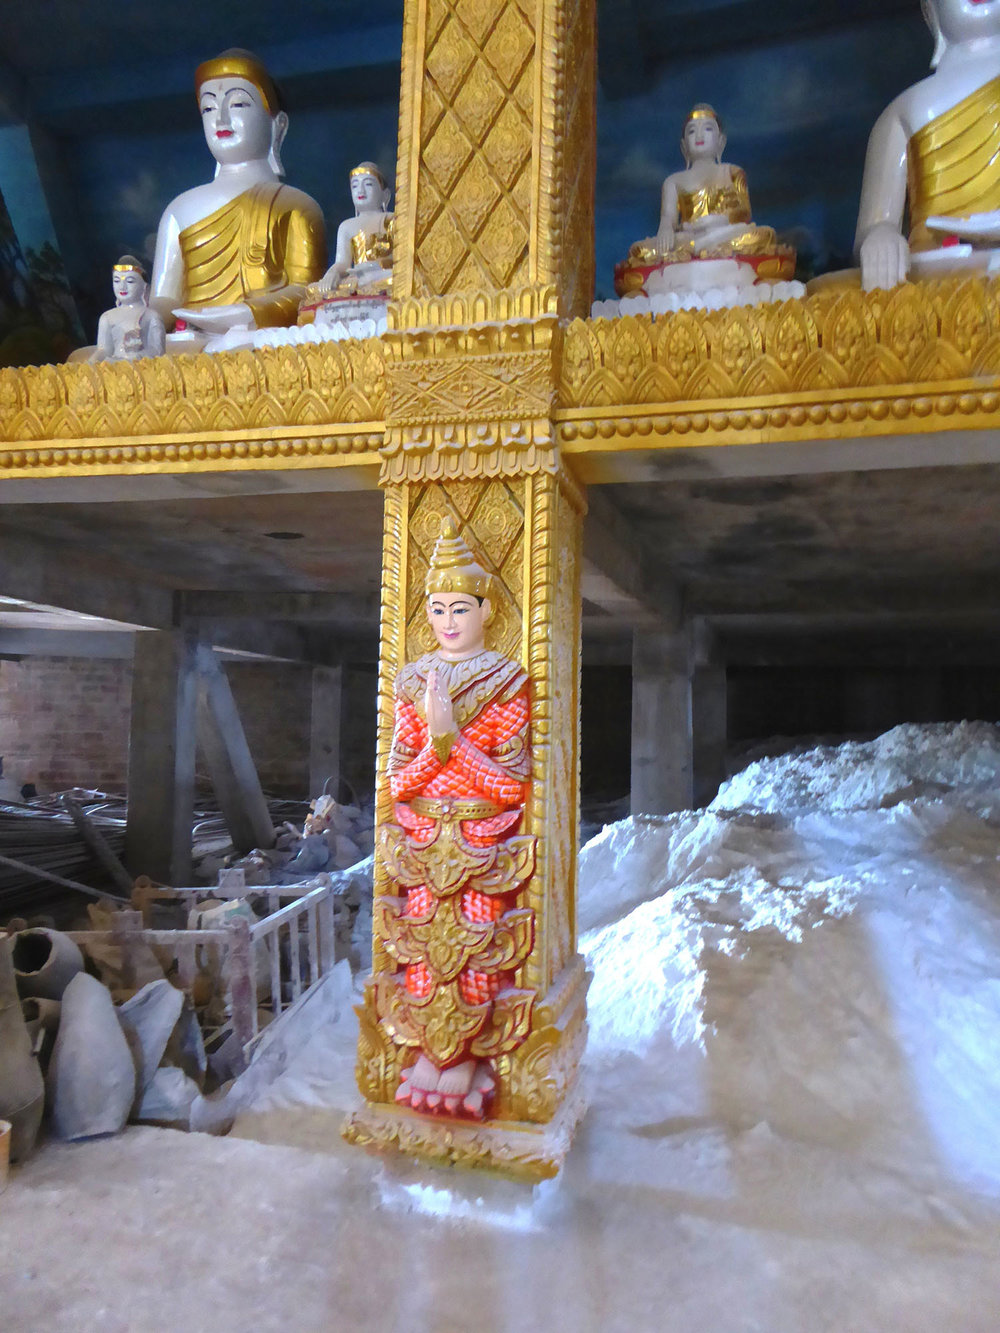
64 723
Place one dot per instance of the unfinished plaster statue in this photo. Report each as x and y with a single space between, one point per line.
935 151
131 330
357 284
238 252
459 775
706 237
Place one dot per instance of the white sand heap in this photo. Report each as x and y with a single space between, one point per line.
819 952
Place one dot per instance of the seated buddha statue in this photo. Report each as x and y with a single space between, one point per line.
238 252
705 217
357 283
131 330
934 154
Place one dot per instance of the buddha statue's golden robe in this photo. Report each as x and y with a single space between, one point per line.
262 248
953 164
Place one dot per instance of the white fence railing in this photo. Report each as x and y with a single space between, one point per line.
265 968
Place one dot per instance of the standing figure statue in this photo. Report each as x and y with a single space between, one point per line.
238 252
706 235
131 330
935 153
459 775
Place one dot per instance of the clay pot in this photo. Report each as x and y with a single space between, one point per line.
92 1076
45 962
22 1091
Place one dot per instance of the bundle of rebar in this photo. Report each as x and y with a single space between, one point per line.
40 835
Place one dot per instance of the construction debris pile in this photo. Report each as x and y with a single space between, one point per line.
148 1015
333 837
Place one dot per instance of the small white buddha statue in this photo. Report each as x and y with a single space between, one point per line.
238 252
131 330
364 242
934 153
705 216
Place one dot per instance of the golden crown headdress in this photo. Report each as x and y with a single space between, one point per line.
239 64
703 112
454 568
129 264
369 169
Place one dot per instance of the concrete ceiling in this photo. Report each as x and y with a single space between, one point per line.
292 542
920 540
802 552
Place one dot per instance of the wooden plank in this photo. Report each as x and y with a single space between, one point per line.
274 949
242 996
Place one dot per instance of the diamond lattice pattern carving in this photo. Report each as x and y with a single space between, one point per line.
472 214
490 517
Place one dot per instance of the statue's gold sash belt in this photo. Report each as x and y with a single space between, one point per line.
463 808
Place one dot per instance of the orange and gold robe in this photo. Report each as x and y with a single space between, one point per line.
484 775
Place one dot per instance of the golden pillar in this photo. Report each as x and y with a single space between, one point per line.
494 252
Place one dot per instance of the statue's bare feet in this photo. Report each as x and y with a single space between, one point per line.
483 1083
454 1085
418 1084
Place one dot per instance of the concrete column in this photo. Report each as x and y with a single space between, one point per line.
709 731
324 730
230 763
661 722
161 756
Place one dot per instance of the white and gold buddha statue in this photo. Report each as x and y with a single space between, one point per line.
934 155
358 282
237 253
131 330
706 235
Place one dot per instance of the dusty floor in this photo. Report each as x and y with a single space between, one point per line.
664 1227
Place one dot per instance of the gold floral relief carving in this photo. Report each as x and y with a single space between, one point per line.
335 384
919 333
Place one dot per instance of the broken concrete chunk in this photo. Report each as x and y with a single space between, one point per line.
186 1047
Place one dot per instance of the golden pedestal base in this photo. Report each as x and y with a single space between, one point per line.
517 1149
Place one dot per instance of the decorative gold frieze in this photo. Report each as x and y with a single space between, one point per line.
275 402
917 335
